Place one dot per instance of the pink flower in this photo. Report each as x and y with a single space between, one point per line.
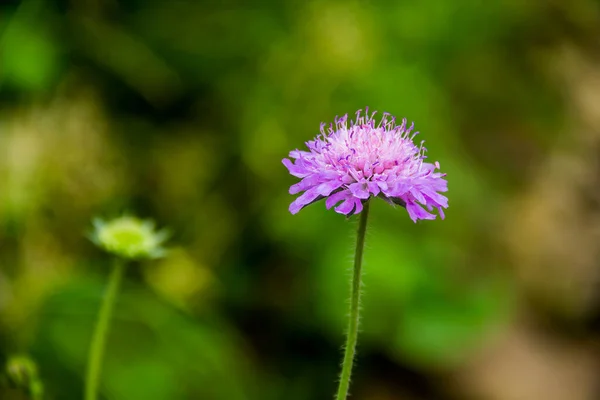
349 164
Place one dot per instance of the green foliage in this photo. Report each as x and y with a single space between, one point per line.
29 53
154 350
183 111
413 304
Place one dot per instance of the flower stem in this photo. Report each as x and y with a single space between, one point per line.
101 331
352 333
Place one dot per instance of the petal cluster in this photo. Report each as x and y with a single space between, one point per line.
350 162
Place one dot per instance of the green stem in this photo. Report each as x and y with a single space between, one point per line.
352 333
37 389
100 333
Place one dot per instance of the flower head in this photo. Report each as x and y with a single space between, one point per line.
348 164
129 237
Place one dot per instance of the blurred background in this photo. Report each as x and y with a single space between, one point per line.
181 111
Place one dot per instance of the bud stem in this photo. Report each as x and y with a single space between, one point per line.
101 331
352 334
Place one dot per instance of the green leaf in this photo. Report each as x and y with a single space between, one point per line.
29 57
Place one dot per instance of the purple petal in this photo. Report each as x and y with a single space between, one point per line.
305 199
417 195
417 212
382 185
299 154
373 188
440 185
315 179
436 198
335 198
347 179
305 184
360 190
433 181
398 189
295 170
325 188
348 206
358 206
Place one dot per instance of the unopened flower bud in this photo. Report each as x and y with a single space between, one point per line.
129 237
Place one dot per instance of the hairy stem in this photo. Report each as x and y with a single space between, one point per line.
101 331
352 334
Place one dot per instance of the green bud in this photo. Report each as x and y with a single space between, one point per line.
129 237
22 373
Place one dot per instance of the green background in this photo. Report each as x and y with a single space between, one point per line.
181 111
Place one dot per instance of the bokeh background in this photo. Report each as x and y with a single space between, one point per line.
181 111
